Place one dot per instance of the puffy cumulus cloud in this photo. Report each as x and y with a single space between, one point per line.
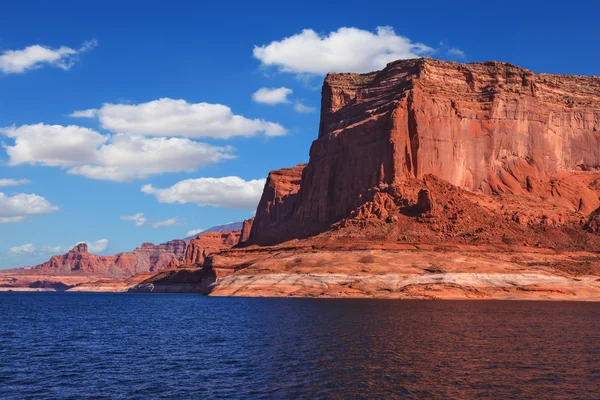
22 206
52 145
138 219
194 232
345 50
272 95
128 157
26 248
168 222
230 192
36 56
97 246
13 182
301 108
170 117
120 157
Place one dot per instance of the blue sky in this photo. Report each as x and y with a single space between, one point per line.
165 109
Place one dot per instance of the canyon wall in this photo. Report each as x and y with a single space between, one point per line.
491 128
277 205
208 243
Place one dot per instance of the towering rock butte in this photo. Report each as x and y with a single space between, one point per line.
490 128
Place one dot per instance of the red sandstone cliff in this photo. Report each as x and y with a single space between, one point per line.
246 229
208 243
529 140
277 204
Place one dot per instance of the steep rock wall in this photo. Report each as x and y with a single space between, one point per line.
487 127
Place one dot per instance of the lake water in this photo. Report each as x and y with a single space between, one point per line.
63 345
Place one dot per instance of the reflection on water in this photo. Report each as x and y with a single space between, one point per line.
187 346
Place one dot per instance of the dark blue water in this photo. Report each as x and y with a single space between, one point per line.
186 346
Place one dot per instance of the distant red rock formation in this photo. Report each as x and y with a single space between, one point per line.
208 243
78 261
490 128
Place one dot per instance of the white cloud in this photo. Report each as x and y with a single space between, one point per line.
97 246
344 50
26 248
54 250
91 113
230 192
13 182
280 95
36 56
194 232
88 45
168 222
272 96
456 53
22 206
138 219
170 117
52 145
301 108
119 157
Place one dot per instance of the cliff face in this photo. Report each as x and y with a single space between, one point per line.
208 243
246 229
491 128
278 202
79 261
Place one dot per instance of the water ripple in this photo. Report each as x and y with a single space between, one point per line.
121 346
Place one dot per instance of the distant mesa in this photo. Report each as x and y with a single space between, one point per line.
149 257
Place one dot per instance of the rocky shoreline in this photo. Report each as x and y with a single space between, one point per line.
405 272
